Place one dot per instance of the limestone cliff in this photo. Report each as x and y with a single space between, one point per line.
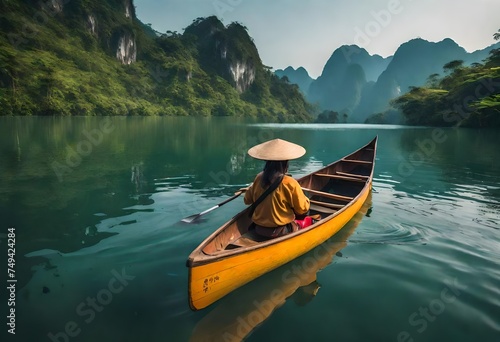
113 23
126 51
228 51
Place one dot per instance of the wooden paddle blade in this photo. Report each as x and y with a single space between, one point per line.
191 218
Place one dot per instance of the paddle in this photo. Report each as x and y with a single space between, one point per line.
193 218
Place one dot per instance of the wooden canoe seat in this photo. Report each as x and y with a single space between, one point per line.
346 178
329 195
352 175
328 205
357 161
322 209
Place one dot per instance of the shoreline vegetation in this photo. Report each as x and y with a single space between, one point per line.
93 58
466 96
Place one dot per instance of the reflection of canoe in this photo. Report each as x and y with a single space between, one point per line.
234 255
257 300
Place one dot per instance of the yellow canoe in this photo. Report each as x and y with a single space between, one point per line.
234 255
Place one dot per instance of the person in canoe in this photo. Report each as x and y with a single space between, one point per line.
276 198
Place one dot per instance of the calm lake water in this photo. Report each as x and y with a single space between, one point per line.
96 204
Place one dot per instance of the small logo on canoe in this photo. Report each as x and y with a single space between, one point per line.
208 282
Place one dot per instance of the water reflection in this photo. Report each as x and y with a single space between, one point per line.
57 173
137 176
458 155
239 313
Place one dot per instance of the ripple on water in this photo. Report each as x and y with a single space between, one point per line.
392 233
477 193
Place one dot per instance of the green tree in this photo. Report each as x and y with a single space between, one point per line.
328 116
453 65
433 81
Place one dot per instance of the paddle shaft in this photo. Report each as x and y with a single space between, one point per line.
236 194
194 217
221 203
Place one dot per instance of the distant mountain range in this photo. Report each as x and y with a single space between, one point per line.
300 77
358 84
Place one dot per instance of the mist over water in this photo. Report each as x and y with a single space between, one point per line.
96 204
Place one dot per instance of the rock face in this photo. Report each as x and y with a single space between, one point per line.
227 51
126 46
57 6
126 51
114 29
92 24
243 75
128 9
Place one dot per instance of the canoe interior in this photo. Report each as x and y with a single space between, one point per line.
330 189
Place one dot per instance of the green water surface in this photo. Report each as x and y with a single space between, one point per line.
96 204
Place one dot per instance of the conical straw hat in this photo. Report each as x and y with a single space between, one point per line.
277 149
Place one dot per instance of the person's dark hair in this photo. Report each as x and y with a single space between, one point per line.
272 170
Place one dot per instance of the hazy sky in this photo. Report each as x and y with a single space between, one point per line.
306 32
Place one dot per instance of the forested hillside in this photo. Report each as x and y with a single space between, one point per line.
90 57
466 96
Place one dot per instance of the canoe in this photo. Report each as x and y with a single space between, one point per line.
234 254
